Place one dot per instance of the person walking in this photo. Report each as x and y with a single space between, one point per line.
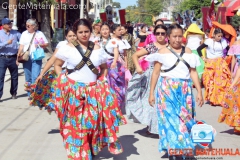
31 67
171 91
8 56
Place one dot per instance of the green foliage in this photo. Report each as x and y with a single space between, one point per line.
195 5
153 6
116 4
235 21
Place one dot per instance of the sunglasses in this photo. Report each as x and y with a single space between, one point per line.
160 33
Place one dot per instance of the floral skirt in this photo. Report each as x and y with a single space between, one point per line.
137 105
176 111
216 80
43 93
116 80
89 117
231 108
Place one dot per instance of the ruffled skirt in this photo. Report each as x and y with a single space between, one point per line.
176 111
137 105
216 80
89 116
116 80
231 108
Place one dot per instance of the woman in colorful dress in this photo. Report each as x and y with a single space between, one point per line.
174 96
151 37
231 103
142 36
195 37
46 79
216 75
86 106
137 106
130 51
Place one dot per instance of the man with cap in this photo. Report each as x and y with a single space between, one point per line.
130 28
8 56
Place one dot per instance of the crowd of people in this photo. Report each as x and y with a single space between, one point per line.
99 72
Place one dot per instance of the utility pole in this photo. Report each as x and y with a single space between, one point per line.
81 9
12 14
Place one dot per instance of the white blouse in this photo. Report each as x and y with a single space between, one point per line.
168 60
113 43
73 58
215 49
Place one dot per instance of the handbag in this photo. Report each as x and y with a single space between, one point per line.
25 56
38 54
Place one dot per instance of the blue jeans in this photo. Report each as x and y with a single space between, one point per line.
32 70
10 64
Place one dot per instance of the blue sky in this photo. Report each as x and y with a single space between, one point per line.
125 3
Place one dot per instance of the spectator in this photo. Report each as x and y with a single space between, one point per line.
31 67
130 28
8 56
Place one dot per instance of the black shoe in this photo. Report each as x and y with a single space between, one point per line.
14 96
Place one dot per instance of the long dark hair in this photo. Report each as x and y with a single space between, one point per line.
172 27
160 26
70 28
158 20
114 27
80 22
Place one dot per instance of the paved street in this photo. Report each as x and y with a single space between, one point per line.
26 133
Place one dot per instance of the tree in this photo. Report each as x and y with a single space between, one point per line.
116 4
153 6
235 21
131 15
195 5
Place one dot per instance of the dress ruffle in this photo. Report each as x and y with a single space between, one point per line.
89 117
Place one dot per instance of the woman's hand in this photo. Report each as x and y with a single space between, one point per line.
39 78
139 70
200 99
151 100
113 65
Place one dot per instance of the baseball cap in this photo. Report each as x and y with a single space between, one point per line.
6 21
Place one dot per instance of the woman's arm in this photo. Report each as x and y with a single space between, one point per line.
233 63
199 49
48 65
135 58
195 79
116 55
154 78
104 70
236 78
58 66
43 45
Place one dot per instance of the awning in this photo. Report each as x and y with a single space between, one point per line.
231 6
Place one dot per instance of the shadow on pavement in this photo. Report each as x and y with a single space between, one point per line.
54 131
230 131
127 142
143 132
18 96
